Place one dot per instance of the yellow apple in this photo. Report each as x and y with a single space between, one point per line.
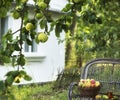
105 97
88 85
42 5
42 37
29 26
39 15
15 15
97 97
17 79
97 83
80 84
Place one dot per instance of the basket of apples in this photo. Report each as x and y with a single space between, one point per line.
88 87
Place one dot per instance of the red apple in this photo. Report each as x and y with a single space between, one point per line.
93 81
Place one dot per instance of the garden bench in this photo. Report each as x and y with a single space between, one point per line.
105 70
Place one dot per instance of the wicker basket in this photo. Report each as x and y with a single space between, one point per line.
89 91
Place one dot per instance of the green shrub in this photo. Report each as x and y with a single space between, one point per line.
66 77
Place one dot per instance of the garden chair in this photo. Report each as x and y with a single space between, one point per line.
105 70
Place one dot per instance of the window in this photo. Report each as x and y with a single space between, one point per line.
3 26
30 48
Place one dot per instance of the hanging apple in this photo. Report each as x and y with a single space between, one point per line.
29 26
42 37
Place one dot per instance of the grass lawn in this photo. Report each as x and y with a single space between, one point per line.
38 92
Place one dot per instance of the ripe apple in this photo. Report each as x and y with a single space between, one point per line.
42 5
88 84
80 84
29 26
39 15
42 37
17 79
97 83
97 97
105 97
15 15
83 85
87 80
19 8
92 81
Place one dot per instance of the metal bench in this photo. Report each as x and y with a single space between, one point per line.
105 70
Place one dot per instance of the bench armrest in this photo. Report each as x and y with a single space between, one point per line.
70 91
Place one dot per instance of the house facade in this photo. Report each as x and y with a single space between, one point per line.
45 60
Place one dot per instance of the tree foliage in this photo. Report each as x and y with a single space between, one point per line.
97 30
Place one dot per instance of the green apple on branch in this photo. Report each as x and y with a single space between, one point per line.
29 26
42 37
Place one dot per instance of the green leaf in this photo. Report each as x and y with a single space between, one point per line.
16 47
27 78
32 35
15 73
29 42
9 80
9 36
47 1
46 28
2 86
58 29
3 12
52 26
36 40
21 60
65 28
6 59
9 73
12 73
67 8
23 73
43 23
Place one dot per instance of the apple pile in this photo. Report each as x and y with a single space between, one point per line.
87 83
